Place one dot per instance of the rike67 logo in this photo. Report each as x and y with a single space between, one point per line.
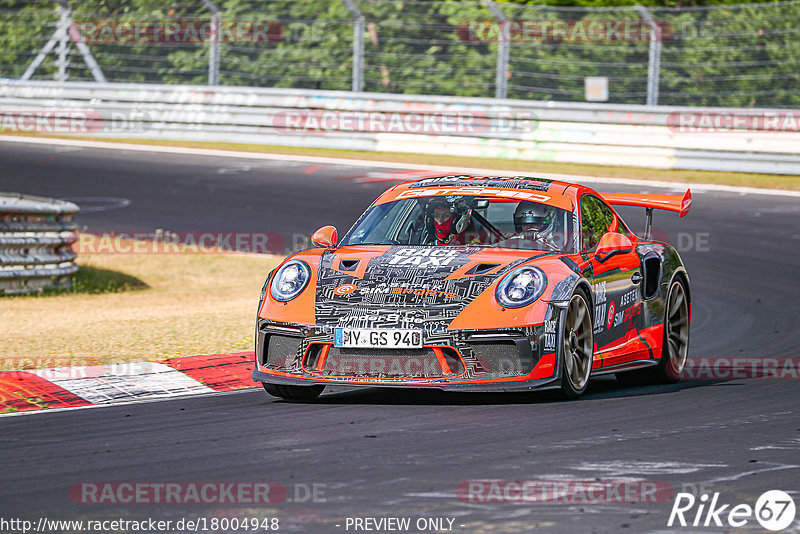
774 510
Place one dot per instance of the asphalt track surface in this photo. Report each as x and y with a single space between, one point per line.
401 453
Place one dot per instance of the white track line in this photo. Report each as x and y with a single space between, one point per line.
388 164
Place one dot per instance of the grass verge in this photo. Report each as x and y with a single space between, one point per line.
93 280
766 181
184 304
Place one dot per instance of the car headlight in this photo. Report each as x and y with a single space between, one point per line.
520 287
290 280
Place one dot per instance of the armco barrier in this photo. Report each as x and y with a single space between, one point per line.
36 235
601 134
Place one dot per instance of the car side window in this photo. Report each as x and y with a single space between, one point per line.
596 220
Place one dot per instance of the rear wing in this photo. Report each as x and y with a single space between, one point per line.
677 203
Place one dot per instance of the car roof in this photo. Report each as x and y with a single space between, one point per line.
544 190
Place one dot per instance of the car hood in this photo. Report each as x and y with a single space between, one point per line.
383 276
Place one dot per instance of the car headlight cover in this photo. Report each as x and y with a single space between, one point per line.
520 287
290 280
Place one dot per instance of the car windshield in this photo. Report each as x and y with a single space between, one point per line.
464 220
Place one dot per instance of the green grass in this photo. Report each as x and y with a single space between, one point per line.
94 281
91 281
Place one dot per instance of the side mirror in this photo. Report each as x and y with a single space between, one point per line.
612 244
325 237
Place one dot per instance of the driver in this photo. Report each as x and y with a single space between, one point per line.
452 224
534 222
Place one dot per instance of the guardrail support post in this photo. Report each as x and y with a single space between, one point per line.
213 45
62 37
503 42
63 42
654 59
358 45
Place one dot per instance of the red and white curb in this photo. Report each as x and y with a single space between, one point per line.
72 387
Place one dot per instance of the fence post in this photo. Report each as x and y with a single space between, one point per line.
63 42
501 77
358 45
654 59
213 44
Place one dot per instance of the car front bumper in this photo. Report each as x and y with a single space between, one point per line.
517 359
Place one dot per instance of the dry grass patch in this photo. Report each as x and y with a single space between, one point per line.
184 304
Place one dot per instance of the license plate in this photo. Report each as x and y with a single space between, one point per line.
382 338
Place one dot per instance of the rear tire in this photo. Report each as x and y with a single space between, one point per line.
674 345
293 392
576 349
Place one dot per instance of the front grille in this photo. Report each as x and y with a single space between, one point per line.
400 363
500 358
279 350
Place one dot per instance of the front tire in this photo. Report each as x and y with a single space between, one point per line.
576 347
293 392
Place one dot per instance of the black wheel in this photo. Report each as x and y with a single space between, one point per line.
577 347
674 346
293 392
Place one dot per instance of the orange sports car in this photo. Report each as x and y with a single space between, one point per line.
478 283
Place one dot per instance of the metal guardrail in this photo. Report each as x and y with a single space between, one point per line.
36 237
600 134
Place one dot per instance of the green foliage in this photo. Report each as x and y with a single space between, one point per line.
727 55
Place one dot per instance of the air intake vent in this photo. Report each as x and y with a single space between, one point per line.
502 358
348 265
482 268
280 350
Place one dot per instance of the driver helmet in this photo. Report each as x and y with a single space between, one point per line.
443 214
532 217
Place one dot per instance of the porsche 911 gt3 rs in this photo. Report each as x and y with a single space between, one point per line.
478 283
